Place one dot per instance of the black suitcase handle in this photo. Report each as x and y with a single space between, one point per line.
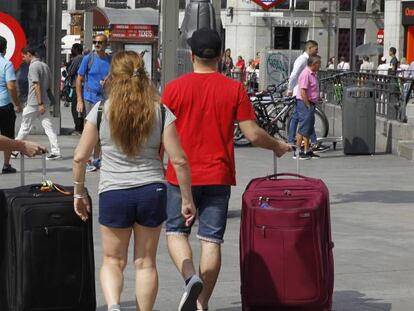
22 170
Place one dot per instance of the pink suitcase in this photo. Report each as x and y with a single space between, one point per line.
286 260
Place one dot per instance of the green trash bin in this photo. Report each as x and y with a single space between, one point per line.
359 120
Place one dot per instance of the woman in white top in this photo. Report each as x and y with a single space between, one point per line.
132 190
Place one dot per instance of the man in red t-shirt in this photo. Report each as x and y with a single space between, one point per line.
206 104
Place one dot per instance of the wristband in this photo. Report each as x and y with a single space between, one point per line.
80 196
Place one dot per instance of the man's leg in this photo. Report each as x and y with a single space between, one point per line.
213 206
28 116
293 126
78 121
50 132
180 251
210 264
7 121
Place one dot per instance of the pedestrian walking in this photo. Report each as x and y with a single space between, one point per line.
38 102
206 104
92 74
9 101
72 74
132 190
307 97
311 49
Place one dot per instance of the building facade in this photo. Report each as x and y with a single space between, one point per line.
399 28
327 22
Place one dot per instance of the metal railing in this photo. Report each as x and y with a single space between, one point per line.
392 92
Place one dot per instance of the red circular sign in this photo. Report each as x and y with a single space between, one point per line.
267 4
15 36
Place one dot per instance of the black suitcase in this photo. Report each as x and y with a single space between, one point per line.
46 252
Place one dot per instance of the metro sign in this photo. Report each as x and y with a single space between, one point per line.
267 4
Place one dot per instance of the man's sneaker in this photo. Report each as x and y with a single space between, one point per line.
114 308
302 156
320 148
53 156
8 169
192 290
97 163
312 155
90 167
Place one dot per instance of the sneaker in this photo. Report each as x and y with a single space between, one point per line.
53 156
320 148
97 163
115 308
14 155
302 156
90 167
312 155
8 169
192 290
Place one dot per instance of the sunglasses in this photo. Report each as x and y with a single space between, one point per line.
97 42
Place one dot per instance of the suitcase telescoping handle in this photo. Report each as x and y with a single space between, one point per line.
22 170
275 174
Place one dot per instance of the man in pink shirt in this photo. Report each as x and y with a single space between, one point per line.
307 96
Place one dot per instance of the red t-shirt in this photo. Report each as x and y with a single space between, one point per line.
206 105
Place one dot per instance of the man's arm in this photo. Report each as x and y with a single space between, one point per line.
11 87
298 67
260 138
305 98
28 148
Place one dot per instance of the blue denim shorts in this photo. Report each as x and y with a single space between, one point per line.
306 116
212 203
145 205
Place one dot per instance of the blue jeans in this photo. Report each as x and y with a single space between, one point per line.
212 204
145 205
293 126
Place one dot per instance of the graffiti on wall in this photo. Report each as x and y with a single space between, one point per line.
277 65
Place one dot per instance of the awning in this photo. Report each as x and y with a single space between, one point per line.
105 17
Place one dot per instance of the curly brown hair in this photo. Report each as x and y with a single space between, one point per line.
133 101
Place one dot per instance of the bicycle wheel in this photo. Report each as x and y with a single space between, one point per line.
238 136
321 124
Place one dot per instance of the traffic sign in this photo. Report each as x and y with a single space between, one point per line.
267 4
11 30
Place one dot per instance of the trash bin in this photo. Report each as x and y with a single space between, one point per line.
359 120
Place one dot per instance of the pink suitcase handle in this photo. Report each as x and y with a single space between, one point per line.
275 176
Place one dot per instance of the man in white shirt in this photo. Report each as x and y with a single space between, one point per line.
343 65
366 65
311 49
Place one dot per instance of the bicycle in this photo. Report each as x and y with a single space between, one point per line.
274 116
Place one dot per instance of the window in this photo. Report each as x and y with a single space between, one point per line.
345 5
117 4
224 4
382 5
146 4
300 5
84 4
181 5
282 37
64 5
345 41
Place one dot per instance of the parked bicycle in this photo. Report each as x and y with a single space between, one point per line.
274 114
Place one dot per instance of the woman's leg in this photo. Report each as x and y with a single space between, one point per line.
146 281
115 256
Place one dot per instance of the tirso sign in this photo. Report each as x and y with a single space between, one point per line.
267 4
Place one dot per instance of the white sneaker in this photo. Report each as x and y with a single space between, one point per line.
53 156
191 291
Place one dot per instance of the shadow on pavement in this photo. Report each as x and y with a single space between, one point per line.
379 196
351 300
234 214
126 306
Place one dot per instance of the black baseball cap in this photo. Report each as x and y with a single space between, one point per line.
205 43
